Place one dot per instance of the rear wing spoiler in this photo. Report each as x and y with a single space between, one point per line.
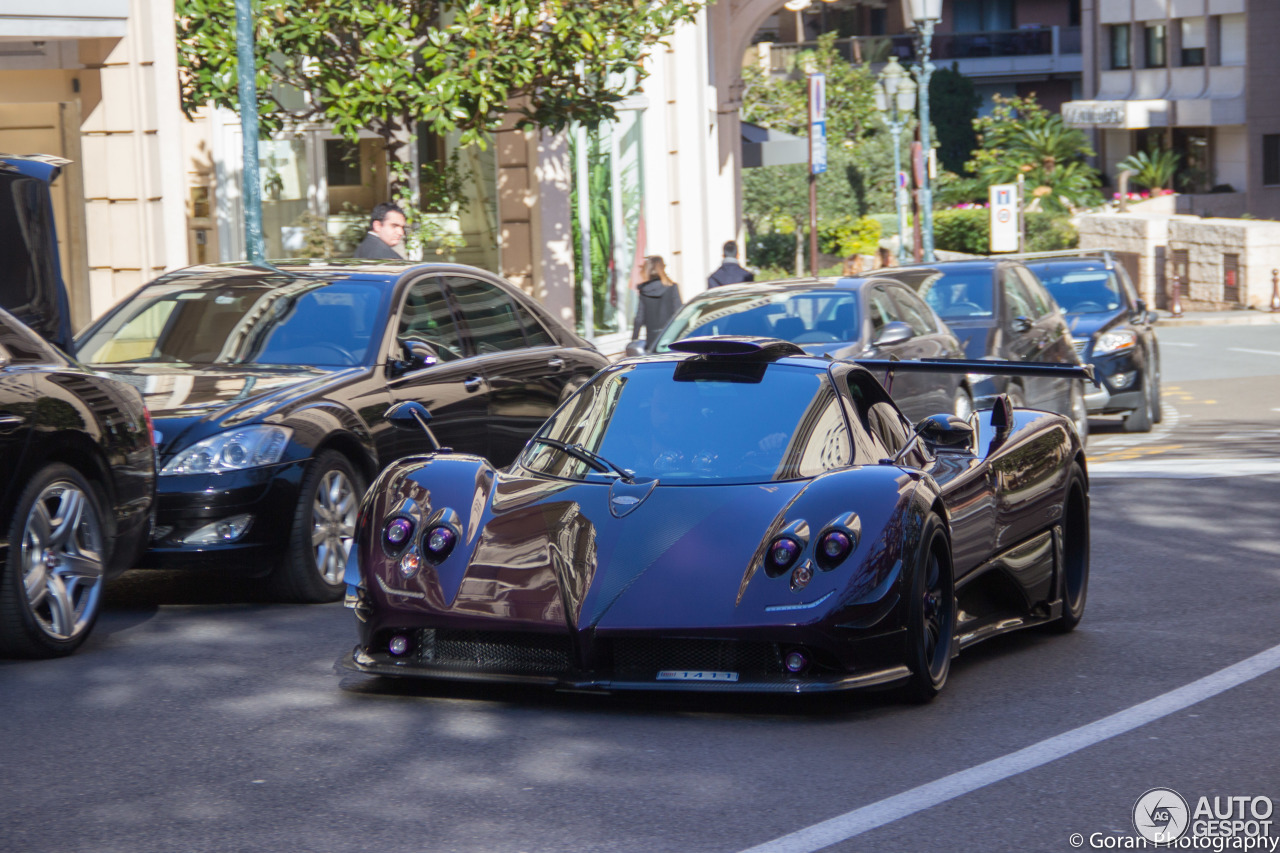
982 367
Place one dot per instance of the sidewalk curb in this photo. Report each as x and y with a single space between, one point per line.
1218 318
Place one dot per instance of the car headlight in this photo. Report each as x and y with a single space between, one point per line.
1114 341
250 447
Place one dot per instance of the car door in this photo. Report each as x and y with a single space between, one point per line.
908 389
452 387
1023 338
932 340
1053 340
525 369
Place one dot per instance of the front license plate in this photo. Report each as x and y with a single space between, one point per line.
696 675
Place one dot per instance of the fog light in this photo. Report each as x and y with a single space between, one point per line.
796 662
409 564
1120 381
801 576
399 645
220 532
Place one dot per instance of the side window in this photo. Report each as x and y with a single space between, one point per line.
1041 301
426 317
488 313
886 432
823 442
22 345
1015 295
914 312
881 310
534 332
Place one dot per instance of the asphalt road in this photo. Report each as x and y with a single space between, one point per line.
199 717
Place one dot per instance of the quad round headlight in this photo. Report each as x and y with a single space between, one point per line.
782 554
439 541
397 532
833 547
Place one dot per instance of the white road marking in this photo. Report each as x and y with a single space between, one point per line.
958 784
1164 468
1168 422
1254 351
1177 344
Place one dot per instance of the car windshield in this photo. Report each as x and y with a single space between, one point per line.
810 317
959 294
698 422
241 321
1081 291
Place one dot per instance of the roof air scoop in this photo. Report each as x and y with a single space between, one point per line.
737 345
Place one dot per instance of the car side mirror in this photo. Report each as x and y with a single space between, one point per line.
1021 325
637 348
893 333
412 415
949 431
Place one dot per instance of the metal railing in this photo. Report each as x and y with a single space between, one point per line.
1029 41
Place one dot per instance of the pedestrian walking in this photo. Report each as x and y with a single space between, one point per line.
386 230
730 272
658 303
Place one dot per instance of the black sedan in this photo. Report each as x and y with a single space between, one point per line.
734 515
1113 331
269 387
77 463
845 318
1000 310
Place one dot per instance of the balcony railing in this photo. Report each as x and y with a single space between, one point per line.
1029 41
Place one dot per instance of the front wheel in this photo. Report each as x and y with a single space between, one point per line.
324 526
1148 409
931 614
51 583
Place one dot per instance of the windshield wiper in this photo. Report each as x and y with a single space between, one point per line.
594 460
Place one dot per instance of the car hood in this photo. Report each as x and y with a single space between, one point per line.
1086 326
181 399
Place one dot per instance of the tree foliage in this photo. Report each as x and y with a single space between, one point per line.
954 110
455 65
1020 137
1153 170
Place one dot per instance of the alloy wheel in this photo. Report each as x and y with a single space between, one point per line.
333 524
61 559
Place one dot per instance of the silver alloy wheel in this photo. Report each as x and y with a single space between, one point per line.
333 524
62 565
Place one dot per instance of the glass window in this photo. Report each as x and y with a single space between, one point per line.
1120 51
888 430
342 163
1271 159
489 314
1232 39
1041 302
242 321
1016 297
697 422
1082 289
1193 41
913 311
815 316
959 294
30 279
535 334
426 317
881 310
1156 40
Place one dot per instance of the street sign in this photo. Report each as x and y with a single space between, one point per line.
817 124
1004 217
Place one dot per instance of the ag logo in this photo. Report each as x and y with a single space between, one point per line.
1161 815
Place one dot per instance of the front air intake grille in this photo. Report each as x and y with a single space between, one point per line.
644 658
1081 346
494 651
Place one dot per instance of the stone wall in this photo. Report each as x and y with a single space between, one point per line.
1255 245
1143 235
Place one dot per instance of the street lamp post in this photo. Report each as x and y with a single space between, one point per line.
896 99
925 13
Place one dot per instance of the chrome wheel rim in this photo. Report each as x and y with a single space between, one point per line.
333 525
62 566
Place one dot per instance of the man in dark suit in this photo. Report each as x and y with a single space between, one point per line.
386 229
730 272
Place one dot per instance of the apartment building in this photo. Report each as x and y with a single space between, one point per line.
1196 76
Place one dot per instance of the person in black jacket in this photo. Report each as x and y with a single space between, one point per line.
658 303
386 230
730 272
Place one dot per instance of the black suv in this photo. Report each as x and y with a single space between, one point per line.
1113 331
1000 310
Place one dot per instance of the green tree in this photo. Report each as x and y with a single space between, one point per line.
1020 137
455 65
954 110
1154 169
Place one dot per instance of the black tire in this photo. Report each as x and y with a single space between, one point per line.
51 582
1078 411
1148 411
323 531
1073 576
1153 367
931 614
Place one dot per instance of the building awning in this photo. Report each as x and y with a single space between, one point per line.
43 20
1155 112
762 146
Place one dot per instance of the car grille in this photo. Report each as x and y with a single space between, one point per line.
494 651
641 658
1081 346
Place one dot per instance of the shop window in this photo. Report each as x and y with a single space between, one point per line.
342 163
1156 42
1120 44
1193 41
1271 159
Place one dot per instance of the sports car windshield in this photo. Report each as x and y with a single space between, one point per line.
230 321
698 422
800 317
960 294
1081 291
